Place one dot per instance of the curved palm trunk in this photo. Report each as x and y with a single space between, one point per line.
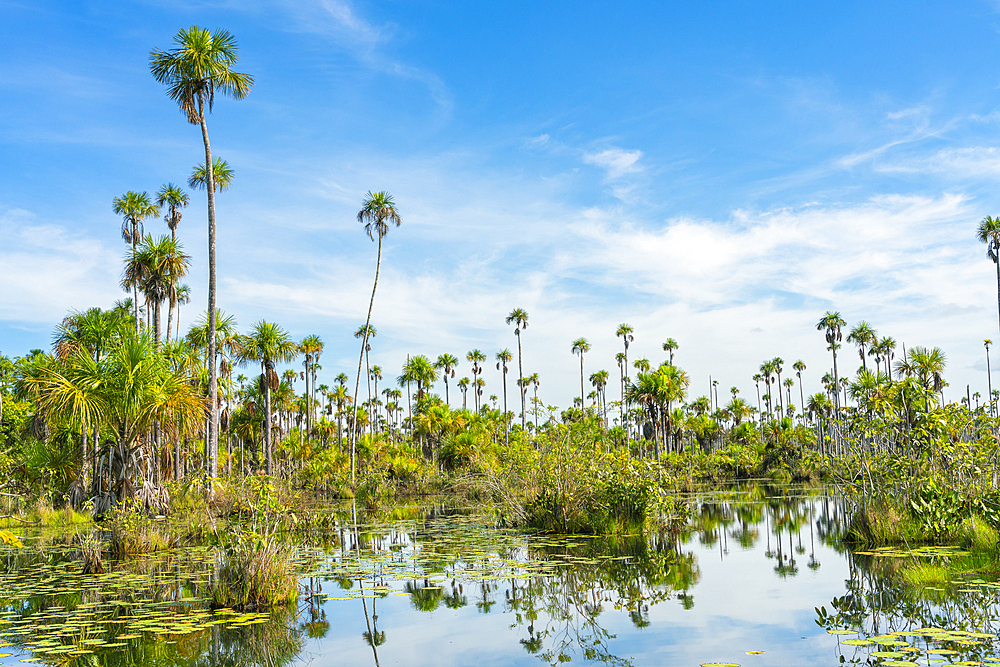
996 250
361 359
213 380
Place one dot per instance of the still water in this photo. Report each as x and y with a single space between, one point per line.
758 579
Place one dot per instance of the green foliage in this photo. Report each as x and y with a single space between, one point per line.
256 566
131 531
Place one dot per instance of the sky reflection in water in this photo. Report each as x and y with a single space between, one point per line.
445 589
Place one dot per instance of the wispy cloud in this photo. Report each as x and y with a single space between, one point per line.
616 162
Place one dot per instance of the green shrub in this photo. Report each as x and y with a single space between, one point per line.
256 573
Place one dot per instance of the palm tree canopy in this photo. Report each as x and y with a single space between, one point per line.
267 343
199 65
988 232
222 175
447 364
378 211
174 199
519 316
134 207
580 345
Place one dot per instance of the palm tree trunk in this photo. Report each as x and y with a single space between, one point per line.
520 378
135 286
267 423
583 398
836 381
996 251
361 358
170 319
213 380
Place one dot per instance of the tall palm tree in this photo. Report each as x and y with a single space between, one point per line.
669 346
534 381
267 343
599 380
463 384
134 207
776 364
863 336
475 357
174 199
447 363
370 332
182 296
988 232
580 347
199 65
311 347
800 366
831 324
503 358
377 214
519 317
766 370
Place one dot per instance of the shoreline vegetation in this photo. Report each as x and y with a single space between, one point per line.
138 437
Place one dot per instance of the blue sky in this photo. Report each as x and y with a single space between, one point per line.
720 173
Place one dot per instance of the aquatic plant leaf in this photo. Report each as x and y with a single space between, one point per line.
10 539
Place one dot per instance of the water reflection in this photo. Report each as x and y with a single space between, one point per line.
756 569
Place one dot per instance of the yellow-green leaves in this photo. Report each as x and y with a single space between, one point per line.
10 538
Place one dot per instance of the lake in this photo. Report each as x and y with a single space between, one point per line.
430 584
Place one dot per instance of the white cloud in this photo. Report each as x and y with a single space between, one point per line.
617 162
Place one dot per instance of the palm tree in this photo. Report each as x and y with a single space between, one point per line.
599 380
863 336
134 207
581 346
197 67
642 365
222 176
378 212
447 364
463 384
757 379
766 370
182 295
800 366
519 317
988 232
534 382
267 343
475 357
776 364
669 346
312 347
369 331
132 390
831 324
156 269
174 199
503 358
